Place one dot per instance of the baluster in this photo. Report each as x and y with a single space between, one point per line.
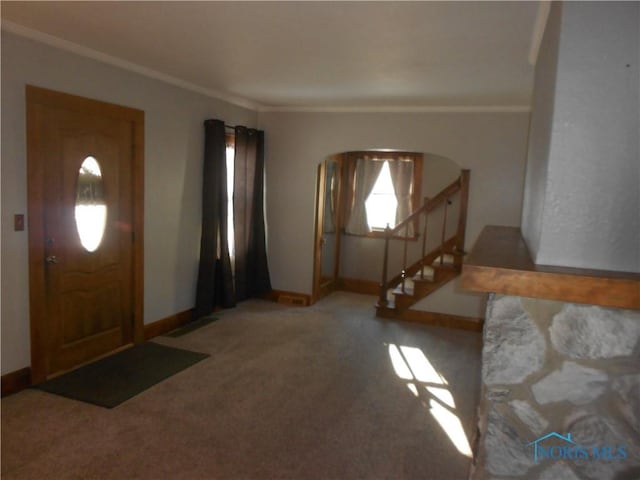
404 255
382 300
424 245
444 230
462 215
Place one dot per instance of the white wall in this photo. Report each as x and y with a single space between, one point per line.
591 204
535 186
174 142
492 145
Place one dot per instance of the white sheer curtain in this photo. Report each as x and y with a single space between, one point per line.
366 174
402 178
329 198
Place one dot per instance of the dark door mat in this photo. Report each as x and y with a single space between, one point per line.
190 327
112 380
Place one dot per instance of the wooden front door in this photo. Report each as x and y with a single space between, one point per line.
83 224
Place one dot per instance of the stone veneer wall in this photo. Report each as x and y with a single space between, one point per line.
550 366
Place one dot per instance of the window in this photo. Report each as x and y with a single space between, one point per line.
90 207
381 205
381 188
230 177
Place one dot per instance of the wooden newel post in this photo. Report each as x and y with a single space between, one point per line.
382 300
404 255
462 215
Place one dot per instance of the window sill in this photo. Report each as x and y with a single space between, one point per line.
381 235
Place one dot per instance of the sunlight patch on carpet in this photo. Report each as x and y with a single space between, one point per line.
412 364
450 423
413 389
443 395
421 367
399 365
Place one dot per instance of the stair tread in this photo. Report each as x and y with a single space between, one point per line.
428 272
409 286
448 259
437 266
417 290
408 290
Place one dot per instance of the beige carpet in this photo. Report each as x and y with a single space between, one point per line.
288 393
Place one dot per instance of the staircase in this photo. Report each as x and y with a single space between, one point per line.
433 268
426 281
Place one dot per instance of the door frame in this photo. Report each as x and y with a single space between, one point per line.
319 289
35 213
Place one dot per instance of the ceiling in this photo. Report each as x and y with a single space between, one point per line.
296 55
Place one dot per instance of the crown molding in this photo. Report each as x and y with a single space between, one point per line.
401 109
72 47
544 7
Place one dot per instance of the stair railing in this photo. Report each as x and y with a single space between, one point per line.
454 244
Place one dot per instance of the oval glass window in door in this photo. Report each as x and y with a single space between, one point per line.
90 208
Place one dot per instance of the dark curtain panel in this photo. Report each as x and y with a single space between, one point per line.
215 278
251 268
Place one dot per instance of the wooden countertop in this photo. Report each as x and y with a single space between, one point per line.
500 262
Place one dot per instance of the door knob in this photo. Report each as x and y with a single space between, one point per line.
51 259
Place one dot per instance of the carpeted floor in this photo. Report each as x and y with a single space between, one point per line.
325 392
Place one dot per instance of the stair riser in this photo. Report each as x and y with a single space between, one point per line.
422 289
430 278
404 301
427 318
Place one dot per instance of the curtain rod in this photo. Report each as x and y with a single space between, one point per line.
232 127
